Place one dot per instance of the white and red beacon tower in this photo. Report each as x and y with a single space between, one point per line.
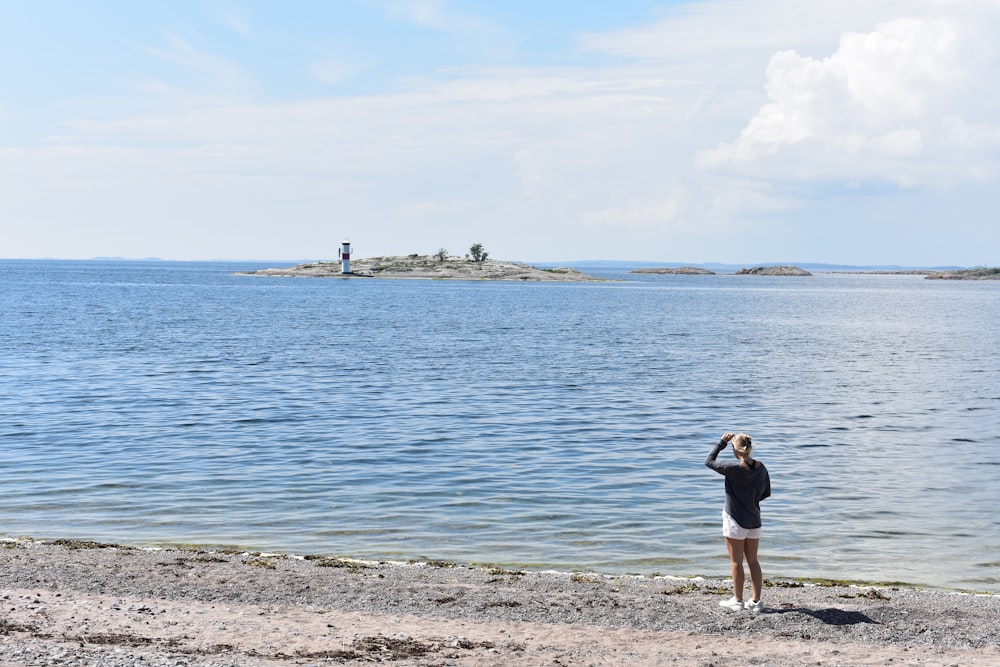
345 257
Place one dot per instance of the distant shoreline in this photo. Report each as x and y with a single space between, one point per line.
769 270
791 270
887 272
708 268
431 267
967 274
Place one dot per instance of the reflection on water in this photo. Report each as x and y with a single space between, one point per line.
545 425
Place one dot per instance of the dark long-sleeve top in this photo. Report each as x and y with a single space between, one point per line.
744 488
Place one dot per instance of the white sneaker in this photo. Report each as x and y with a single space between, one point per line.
732 604
755 607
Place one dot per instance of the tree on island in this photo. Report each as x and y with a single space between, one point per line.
441 255
478 252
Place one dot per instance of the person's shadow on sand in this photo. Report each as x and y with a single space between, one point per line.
831 616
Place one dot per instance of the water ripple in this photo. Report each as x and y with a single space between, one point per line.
532 425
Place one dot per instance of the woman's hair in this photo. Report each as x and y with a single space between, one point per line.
742 445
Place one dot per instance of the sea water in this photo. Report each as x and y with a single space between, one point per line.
536 425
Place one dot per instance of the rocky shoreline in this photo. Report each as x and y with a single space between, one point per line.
430 267
781 270
433 267
676 271
931 274
82 603
773 271
966 274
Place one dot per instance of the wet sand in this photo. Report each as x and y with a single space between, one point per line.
80 603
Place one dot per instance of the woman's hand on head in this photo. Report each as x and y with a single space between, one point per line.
726 437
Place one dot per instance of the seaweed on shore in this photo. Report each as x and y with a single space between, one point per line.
262 562
210 559
435 563
352 566
498 574
385 649
870 594
844 583
74 545
502 603
694 588
7 627
116 639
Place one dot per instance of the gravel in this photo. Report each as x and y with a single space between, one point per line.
82 603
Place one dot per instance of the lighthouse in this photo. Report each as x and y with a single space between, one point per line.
345 257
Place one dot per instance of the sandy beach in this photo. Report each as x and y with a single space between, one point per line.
81 603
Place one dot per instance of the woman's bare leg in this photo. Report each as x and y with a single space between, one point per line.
756 576
735 548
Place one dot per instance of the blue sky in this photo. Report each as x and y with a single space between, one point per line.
742 131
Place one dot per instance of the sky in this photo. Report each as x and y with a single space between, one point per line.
862 132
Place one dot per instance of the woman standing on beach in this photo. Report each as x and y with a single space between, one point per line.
747 483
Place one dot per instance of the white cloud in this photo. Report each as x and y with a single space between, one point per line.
732 39
424 209
436 15
532 148
238 23
885 105
472 33
903 143
214 76
334 71
791 109
660 215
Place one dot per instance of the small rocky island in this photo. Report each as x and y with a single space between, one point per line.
676 271
752 271
773 271
966 274
432 267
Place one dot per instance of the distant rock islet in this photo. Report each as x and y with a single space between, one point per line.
783 270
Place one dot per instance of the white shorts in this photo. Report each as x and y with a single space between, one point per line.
735 531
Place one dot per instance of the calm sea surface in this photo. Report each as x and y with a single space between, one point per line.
531 425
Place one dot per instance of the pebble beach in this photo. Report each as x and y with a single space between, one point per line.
83 603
